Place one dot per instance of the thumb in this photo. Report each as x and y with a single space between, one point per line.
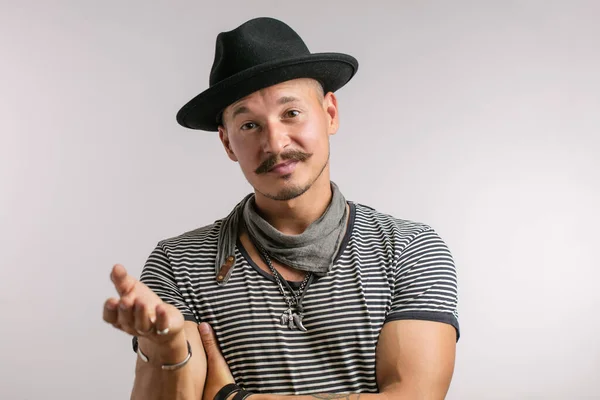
122 280
218 372
209 341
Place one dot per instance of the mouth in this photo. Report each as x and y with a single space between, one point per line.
284 167
288 161
280 165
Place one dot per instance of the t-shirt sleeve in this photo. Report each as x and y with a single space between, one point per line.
158 275
425 282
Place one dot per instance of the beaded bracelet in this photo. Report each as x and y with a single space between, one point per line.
229 389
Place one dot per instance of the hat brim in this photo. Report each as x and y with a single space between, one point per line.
333 70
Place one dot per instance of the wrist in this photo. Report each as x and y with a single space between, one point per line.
170 352
174 350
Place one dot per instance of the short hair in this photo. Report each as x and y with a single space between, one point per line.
319 88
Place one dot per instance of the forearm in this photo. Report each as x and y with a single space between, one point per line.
325 396
390 392
154 383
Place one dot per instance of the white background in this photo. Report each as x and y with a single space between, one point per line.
479 118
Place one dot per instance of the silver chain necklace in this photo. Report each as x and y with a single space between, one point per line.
290 318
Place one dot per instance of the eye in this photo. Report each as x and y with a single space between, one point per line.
248 125
292 113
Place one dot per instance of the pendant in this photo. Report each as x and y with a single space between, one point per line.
292 320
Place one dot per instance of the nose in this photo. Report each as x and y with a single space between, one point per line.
276 137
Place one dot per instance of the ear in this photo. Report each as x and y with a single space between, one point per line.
226 143
331 109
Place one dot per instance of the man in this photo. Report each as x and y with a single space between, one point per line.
308 295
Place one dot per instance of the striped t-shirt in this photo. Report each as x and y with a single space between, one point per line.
387 269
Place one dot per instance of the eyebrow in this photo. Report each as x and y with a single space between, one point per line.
286 99
239 110
244 109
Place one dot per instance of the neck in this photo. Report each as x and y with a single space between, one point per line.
292 217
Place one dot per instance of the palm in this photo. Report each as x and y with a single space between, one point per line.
139 311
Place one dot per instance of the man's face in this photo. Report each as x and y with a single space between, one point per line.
280 137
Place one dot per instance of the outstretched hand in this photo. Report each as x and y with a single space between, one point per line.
139 311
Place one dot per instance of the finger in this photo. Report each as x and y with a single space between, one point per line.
110 312
169 319
123 282
209 342
163 325
142 323
125 318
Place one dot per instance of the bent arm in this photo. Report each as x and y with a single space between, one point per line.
414 361
187 382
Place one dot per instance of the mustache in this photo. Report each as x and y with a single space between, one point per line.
293 155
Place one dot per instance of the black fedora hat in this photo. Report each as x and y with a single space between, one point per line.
259 53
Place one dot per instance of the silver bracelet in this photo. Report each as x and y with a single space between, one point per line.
167 367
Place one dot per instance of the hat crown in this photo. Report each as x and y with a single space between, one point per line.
258 41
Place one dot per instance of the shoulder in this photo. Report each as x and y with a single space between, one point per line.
368 219
204 237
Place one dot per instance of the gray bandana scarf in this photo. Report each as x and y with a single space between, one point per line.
313 250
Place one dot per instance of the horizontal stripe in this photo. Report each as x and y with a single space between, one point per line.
388 269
